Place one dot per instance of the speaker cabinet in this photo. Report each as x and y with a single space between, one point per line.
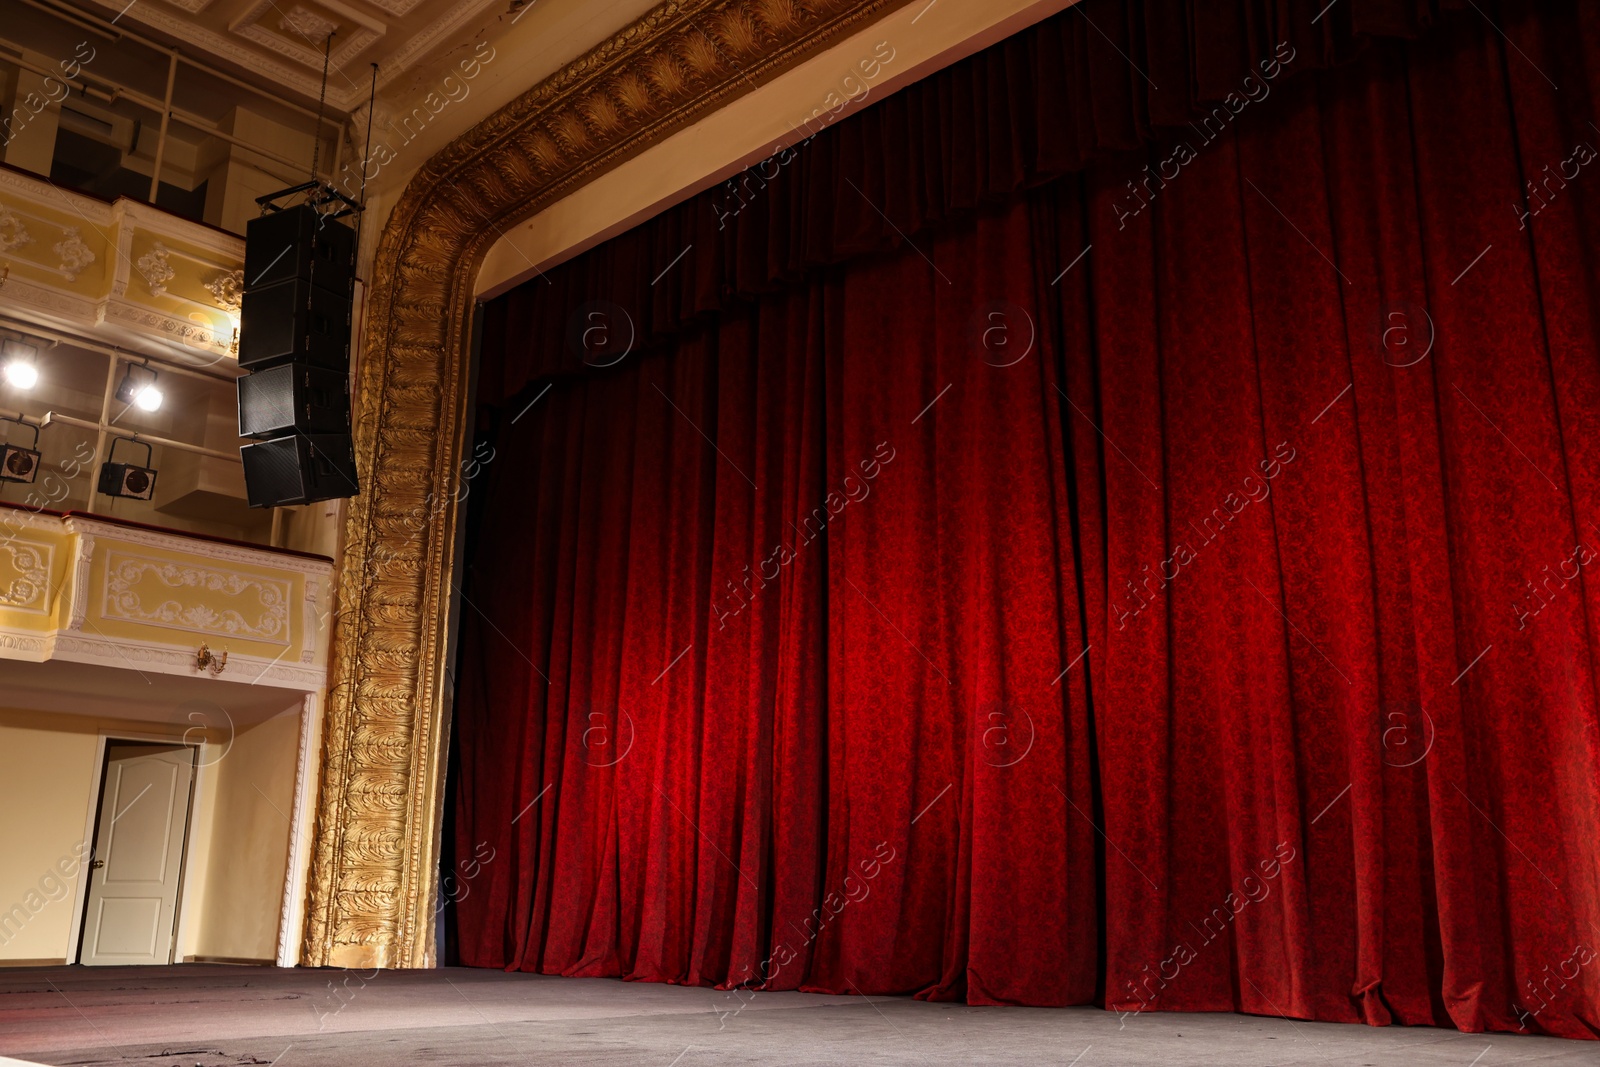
299 469
294 320
299 242
293 396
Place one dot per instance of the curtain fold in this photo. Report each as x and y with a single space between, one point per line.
1101 78
1170 593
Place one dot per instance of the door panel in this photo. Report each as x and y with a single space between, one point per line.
128 926
144 815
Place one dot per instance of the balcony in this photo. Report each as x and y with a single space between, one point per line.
125 272
85 589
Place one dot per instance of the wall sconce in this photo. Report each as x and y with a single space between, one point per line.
207 660
230 346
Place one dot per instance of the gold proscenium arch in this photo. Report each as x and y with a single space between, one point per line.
382 775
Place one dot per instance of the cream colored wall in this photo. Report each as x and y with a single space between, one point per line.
238 840
317 528
47 776
249 843
32 148
241 175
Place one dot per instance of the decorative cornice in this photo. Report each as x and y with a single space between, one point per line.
54 304
31 646
381 797
167 659
211 550
94 212
178 659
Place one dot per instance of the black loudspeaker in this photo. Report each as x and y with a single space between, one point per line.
299 242
293 396
294 340
299 469
294 320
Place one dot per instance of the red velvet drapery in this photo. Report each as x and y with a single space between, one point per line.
1174 597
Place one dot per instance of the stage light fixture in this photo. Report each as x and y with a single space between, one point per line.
142 394
19 362
18 464
128 479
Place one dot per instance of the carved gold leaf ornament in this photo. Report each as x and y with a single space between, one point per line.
701 52
602 112
738 31
372 887
632 92
665 73
779 14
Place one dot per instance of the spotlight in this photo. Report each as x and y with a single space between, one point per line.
19 364
18 464
127 479
141 394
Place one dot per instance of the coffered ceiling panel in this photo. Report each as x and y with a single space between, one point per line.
282 41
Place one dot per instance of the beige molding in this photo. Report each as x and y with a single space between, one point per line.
923 38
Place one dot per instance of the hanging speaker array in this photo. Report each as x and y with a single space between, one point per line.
294 342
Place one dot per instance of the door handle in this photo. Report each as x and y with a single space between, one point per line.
95 865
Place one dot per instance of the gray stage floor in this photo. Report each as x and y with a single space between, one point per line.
208 1015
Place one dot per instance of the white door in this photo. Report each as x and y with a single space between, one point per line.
138 853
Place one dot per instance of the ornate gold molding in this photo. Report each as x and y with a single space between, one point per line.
380 805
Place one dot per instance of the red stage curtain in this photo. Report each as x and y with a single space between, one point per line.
1182 608
1096 79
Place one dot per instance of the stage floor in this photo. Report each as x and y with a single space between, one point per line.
212 1016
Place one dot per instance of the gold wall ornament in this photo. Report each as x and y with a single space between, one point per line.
381 797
